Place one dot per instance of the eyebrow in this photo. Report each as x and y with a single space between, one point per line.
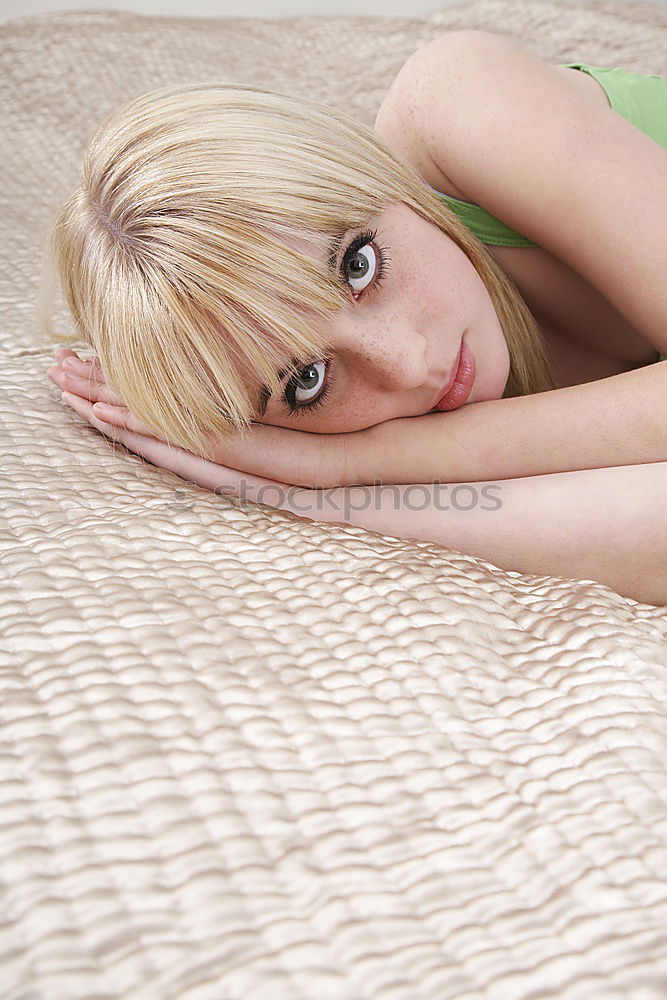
332 257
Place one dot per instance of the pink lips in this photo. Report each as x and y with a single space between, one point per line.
463 382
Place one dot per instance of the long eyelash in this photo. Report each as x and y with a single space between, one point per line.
288 394
383 260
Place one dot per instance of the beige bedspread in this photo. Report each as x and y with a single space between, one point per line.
249 757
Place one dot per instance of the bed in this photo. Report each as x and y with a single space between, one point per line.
245 756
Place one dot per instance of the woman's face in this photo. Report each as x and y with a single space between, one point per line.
413 296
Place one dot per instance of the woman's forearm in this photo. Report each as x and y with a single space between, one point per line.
606 525
617 421
601 524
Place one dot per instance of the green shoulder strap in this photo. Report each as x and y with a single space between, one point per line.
485 226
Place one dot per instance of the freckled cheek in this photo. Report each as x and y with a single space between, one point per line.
368 407
437 289
353 416
461 284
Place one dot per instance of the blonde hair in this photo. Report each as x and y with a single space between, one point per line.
177 255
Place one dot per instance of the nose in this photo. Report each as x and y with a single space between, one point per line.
395 362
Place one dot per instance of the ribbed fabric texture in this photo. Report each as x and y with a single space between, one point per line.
245 756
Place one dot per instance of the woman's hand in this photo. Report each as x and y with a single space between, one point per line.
86 380
197 471
316 505
285 455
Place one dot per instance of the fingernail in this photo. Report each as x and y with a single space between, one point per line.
102 407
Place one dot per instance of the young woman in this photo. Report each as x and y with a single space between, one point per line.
475 292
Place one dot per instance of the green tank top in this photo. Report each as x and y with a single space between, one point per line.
641 100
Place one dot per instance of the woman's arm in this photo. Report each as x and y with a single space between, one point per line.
614 421
602 524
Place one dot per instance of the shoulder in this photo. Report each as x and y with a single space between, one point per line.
464 88
452 48
544 154
447 65
437 94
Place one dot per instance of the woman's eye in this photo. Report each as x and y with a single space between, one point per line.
365 262
361 268
306 388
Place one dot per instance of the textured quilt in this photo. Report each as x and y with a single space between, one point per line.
246 756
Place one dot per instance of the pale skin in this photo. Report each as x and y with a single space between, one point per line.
583 469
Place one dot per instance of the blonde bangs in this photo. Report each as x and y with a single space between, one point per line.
194 257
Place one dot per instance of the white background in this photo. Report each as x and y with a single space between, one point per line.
230 8
234 8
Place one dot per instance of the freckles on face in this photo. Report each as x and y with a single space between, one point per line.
395 343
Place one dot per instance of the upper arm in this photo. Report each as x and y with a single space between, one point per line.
514 136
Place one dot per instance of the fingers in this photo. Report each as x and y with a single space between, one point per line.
120 416
164 456
223 480
61 353
69 358
83 385
82 378
85 409
79 379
